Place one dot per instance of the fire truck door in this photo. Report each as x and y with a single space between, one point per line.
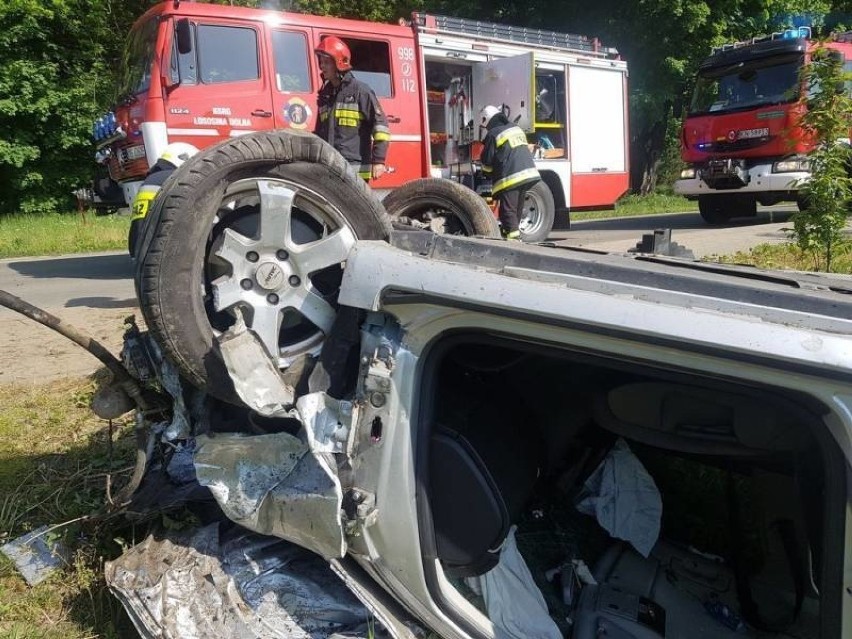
220 87
506 82
388 64
294 86
597 104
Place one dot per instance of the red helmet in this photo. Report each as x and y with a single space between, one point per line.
337 50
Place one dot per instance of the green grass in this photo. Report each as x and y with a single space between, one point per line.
54 457
790 257
26 235
633 205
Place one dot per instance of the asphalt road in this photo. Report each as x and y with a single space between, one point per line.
688 230
97 280
103 281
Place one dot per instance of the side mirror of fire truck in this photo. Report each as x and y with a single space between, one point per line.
183 35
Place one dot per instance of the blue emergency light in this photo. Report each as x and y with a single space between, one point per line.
799 32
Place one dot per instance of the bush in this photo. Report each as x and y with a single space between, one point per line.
818 228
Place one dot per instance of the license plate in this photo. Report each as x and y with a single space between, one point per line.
133 153
748 134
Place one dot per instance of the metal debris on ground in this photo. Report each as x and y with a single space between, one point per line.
223 581
35 555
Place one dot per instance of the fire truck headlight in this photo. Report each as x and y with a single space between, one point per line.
687 174
790 165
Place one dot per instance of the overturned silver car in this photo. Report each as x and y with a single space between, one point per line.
481 438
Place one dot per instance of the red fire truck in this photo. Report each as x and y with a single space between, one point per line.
741 137
201 73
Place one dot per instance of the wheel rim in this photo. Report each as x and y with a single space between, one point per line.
532 217
276 253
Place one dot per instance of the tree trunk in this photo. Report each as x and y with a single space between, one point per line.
646 154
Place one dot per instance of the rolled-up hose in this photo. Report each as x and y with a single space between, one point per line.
120 375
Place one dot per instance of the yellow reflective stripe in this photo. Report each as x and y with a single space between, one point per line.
381 136
487 169
347 113
142 201
514 136
365 175
516 178
347 116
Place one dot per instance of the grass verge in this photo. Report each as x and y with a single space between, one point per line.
25 235
789 257
634 205
54 458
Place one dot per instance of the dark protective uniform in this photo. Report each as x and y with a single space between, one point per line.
507 159
352 121
158 173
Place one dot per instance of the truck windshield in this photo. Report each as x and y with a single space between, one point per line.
746 85
138 57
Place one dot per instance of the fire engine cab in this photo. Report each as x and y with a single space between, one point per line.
741 137
201 73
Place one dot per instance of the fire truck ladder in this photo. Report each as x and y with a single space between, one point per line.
494 32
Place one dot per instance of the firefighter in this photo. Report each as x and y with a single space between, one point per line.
172 157
350 117
507 159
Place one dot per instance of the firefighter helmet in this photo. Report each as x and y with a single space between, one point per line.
487 113
337 50
177 153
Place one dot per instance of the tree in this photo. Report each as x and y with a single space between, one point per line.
818 227
56 74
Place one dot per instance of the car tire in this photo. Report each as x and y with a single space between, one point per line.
443 206
539 211
712 210
262 223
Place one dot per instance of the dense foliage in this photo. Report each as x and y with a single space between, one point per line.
56 63
818 228
58 60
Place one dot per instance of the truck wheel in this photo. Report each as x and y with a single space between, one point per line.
713 210
443 206
261 223
539 211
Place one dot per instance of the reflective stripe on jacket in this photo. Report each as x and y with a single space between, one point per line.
352 121
507 158
149 188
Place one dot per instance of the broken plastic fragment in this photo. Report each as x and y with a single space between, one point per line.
254 373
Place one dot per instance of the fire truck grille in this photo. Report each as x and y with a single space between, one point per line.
724 146
128 163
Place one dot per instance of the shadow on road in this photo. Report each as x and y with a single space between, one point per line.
679 221
93 267
101 302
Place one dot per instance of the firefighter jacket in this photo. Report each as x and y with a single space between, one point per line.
506 158
352 121
161 170
150 187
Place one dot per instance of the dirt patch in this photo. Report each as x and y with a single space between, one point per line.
34 354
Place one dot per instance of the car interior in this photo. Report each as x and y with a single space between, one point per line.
750 535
